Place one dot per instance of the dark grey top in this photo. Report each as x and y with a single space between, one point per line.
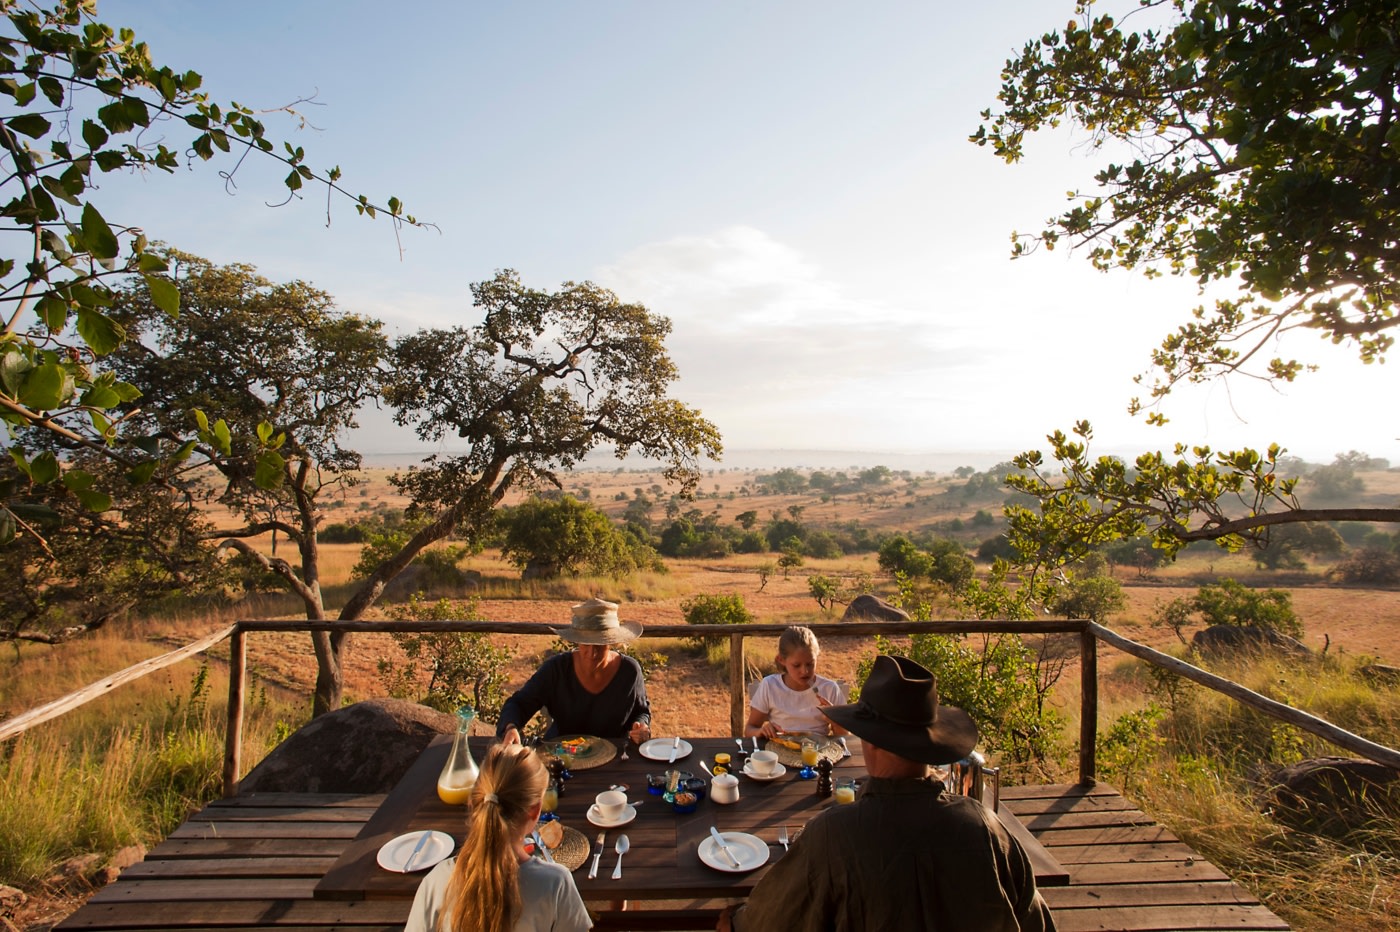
907 857
576 711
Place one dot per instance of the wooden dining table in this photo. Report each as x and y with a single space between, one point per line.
662 862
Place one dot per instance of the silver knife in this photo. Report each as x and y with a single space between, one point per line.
597 855
719 840
675 749
541 847
412 855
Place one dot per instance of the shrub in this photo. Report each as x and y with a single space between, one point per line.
1230 603
715 610
1370 565
461 669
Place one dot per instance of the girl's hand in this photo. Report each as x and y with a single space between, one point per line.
822 701
769 730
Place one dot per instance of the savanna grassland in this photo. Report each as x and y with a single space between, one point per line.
135 762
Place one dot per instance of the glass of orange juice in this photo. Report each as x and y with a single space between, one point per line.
549 802
809 758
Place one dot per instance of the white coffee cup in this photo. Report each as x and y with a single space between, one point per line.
611 804
763 763
725 788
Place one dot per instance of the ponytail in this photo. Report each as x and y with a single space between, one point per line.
484 892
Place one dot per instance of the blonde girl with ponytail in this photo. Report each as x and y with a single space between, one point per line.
493 885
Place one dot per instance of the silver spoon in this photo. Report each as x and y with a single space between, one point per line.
622 845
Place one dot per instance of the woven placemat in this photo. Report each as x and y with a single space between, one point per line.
573 850
595 753
790 757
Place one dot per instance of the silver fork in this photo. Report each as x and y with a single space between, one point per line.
624 750
783 837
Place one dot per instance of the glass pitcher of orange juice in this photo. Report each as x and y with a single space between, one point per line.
459 774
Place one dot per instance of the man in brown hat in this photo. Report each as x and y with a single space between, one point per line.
906 856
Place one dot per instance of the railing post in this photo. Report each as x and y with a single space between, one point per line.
233 734
1088 706
736 684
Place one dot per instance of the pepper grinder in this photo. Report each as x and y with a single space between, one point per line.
823 779
558 773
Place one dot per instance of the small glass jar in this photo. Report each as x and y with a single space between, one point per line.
721 764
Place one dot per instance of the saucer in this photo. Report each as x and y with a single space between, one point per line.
778 771
597 819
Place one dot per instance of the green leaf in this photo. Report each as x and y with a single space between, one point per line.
7 526
29 124
151 262
98 236
223 441
53 311
93 135
100 332
164 293
201 420
184 452
94 501
76 480
141 473
53 90
114 117
13 366
101 397
36 514
268 474
46 387
100 421
126 391
264 432
43 468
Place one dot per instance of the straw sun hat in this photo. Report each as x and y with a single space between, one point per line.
596 622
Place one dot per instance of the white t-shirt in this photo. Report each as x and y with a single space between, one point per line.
549 899
794 710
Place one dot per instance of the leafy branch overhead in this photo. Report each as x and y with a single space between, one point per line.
1261 149
79 100
1083 503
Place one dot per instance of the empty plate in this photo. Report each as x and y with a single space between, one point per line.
749 850
398 854
660 748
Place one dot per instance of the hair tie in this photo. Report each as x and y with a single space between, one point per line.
491 798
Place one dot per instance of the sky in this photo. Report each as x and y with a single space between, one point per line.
789 183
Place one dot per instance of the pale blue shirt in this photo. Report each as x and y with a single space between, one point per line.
549 900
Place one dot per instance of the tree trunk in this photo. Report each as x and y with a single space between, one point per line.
330 673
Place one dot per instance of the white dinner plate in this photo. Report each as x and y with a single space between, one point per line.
748 771
395 854
750 850
598 819
660 749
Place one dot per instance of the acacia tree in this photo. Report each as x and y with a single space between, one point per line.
1262 141
78 101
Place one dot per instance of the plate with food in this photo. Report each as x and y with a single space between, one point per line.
788 747
581 752
566 844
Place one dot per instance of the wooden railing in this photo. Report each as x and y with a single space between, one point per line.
1090 635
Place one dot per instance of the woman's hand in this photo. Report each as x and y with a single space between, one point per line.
640 732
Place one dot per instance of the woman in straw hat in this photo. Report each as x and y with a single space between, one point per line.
592 689
493 885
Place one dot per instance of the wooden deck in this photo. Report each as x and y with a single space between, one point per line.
252 862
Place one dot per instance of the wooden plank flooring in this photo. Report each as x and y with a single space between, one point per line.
1127 872
250 863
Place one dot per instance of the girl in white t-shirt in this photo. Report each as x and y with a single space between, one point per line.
791 699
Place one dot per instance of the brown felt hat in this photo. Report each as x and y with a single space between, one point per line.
899 712
596 622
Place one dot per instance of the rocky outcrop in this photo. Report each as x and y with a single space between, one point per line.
873 608
1379 674
362 748
1223 640
1331 795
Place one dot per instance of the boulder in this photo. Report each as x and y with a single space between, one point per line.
873 608
363 748
1379 674
1332 795
1220 640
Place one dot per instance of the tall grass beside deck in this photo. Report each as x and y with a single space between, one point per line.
1189 761
80 784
